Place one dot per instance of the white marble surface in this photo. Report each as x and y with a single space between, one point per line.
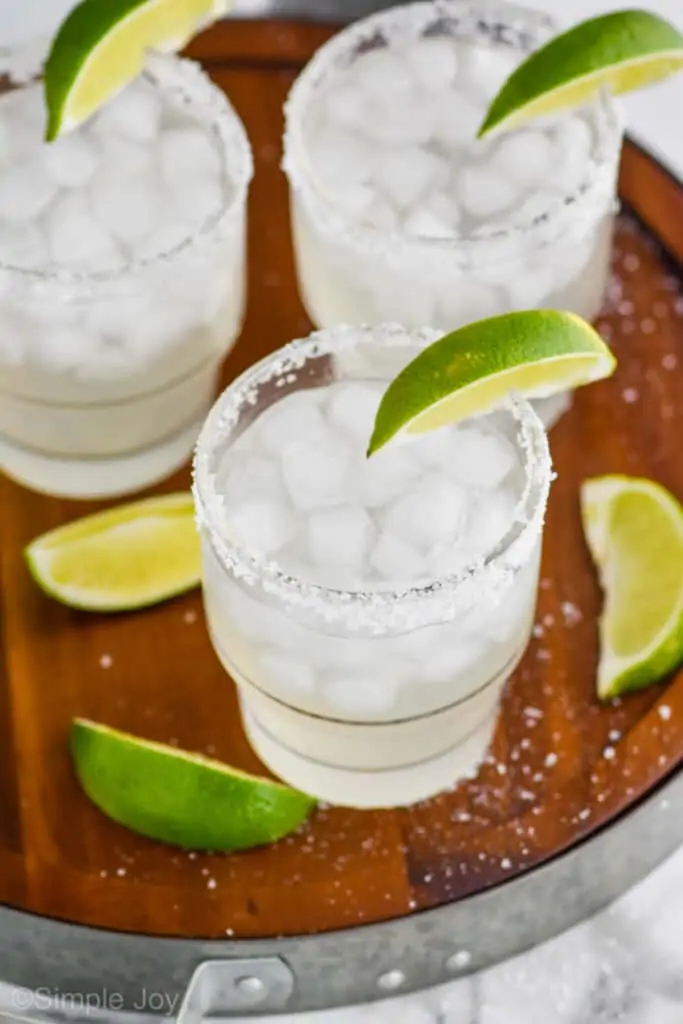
626 965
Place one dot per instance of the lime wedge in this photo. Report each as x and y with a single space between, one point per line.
536 352
634 529
101 47
621 51
179 798
125 558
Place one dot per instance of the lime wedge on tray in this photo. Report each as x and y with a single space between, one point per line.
101 47
180 798
468 372
125 558
634 529
620 51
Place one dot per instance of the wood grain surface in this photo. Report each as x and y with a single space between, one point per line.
561 765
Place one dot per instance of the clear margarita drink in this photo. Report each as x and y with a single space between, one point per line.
121 280
369 610
400 213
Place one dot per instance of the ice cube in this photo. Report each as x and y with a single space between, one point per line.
249 476
398 298
284 672
198 200
297 417
485 192
23 245
434 62
479 459
187 153
71 160
260 622
433 511
397 560
153 328
163 240
572 161
527 157
382 73
386 475
451 560
26 189
436 217
492 517
406 176
452 658
262 527
135 113
356 199
401 121
127 206
340 536
531 209
316 471
381 214
124 155
25 115
341 156
463 301
64 348
531 284
358 695
352 409
433 220
346 105
74 236
457 121
484 69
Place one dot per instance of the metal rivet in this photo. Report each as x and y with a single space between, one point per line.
251 987
458 961
391 980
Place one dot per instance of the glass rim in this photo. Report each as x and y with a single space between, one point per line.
418 15
186 78
362 605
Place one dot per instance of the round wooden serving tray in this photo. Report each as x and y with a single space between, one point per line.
561 768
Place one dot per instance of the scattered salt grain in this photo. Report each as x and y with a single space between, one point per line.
211 884
669 361
121 872
106 661
550 760
631 262
585 813
570 613
609 753
190 617
664 712
506 863
531 712
614 735
630 395
648 325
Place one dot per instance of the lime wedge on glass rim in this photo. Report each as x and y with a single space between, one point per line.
469 372
634 530
101 47
180 798
128 557
621 51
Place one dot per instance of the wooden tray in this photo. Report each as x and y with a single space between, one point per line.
561 766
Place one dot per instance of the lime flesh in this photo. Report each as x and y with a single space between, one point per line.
469 372
620 51
101 47
125 558
634 530
180 798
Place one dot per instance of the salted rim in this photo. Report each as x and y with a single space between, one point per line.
187 80
366 609
517 26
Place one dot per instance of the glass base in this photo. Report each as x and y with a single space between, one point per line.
91 478
395 787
